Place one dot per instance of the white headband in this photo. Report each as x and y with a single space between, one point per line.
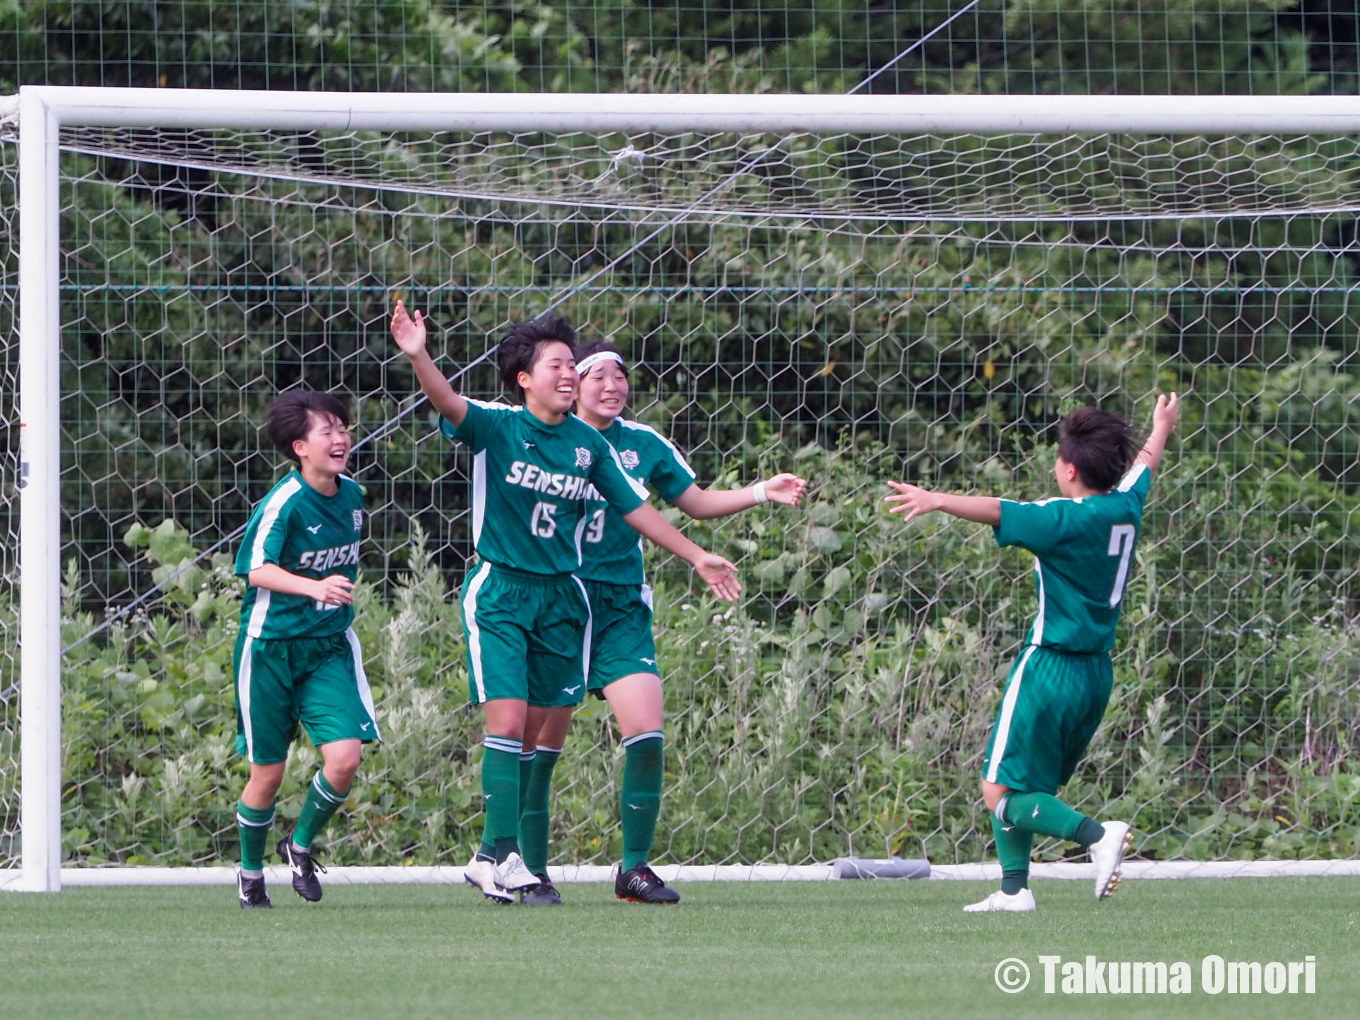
586 364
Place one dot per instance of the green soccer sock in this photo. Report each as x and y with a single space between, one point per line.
526 770
644 759
534 814
253 826
1046 815
323 800
1013 846
500 797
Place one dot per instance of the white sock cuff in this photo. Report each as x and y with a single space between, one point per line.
1000 813
316 785
650 734
507 744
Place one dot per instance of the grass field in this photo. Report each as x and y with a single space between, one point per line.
833 949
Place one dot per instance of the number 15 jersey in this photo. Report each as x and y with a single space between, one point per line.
1083 555
530 484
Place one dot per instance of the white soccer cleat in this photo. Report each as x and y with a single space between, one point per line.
1108 857
482 875
1000 902
512 876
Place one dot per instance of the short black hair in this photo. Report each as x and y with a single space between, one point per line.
288 418
522 346
1100 445
590 347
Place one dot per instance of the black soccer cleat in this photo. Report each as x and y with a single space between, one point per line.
250 891
304 868
542 895
641 885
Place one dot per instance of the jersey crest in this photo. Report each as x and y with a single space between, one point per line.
358 520
582 457
630 459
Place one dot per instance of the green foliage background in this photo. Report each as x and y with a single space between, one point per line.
843 706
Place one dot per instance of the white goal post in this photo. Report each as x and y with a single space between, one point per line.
42 112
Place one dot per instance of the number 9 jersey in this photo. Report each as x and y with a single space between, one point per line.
1083 555
530 484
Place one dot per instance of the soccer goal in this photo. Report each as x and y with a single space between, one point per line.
855 288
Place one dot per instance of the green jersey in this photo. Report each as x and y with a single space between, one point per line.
307 534
611 550
530 484
1083 555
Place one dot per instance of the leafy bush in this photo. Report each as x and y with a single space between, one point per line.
841 707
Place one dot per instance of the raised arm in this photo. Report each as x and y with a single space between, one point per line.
1164 418
717 573
409 334
704 504
913 501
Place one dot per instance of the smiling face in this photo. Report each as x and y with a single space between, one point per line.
550 383
325 448
604 393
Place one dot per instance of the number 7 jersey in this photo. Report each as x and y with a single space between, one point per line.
1083 555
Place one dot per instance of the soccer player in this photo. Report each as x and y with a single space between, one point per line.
623 668
297 660
526 616
1057 690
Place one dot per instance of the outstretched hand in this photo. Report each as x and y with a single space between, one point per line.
409 333
720 575
785 488
1167 412
911 500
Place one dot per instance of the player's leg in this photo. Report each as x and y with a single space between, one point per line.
1050 711
545 730
559 651
1016 759
497 651
335 706
638 706
623 671
1116 839
265 723
1013 848
254 816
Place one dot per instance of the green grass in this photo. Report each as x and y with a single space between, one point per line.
837 949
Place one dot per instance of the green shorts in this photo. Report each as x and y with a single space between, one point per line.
528 636
318 682
621 641
1051 709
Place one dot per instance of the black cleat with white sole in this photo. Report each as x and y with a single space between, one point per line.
304 868
641 885
542 895
250 891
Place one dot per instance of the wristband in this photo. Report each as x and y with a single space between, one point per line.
758 490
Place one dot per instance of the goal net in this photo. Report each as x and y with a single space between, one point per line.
855 305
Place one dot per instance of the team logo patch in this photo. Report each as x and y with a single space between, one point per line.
582 457
630 458
358 520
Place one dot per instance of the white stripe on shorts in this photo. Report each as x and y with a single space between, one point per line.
243 694
474 632
590 626
1003 725
361 678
